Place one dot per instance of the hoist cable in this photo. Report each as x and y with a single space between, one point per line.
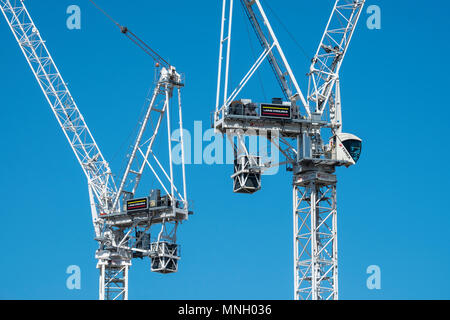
280 21
254 54
145 47
134 38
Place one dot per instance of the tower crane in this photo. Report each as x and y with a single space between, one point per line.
298 125
126 226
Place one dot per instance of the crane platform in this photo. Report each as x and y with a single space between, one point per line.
153 215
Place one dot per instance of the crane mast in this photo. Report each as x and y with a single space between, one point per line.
124 225
297 127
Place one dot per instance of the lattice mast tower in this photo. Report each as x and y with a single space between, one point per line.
122 222
298 126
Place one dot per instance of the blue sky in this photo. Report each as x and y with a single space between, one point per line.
392 210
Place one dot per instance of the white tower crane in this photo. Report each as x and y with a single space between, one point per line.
122 223
302 123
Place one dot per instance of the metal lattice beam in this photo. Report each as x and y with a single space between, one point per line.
327 62
61 102
118 245
113 282
315 242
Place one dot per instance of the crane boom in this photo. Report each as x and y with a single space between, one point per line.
68 115
169 80
123 228
279 74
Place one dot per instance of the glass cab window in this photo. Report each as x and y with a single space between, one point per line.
354 147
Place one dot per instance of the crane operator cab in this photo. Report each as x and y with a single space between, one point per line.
346 147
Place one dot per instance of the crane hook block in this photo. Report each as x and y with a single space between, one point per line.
124 30
247 174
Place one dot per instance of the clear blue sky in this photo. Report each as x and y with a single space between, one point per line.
392 210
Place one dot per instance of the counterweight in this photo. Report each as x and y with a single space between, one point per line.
123 224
